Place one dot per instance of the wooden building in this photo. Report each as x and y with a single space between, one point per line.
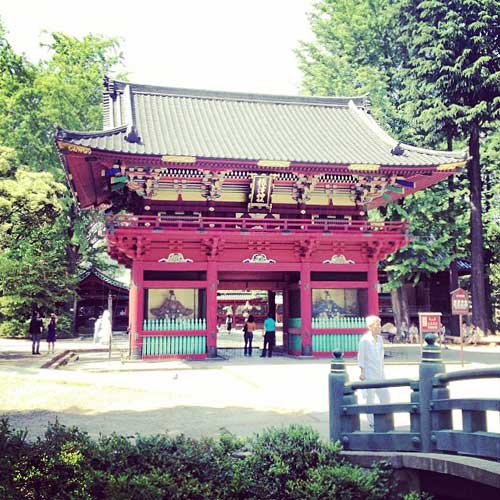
210 191
95 292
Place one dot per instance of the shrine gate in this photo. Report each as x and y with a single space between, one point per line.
208 191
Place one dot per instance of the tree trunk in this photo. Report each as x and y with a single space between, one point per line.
396 305
405 314
454 325
479 301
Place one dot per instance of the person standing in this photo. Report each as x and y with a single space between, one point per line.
229 322
404 332
248 330
105 330
51 332
36 328
97 329
371 362
269 336
413 333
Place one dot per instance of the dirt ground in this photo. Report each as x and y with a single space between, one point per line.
242 395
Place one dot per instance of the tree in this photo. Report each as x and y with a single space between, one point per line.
65 90
357 49
32 265
453 76
354 53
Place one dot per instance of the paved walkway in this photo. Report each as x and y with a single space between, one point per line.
241 394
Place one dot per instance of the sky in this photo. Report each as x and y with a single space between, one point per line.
231 45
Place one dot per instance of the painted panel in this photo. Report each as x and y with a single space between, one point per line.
330 303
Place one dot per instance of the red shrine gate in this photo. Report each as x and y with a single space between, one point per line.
208 191
301 259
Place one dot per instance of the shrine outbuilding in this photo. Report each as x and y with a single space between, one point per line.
208 191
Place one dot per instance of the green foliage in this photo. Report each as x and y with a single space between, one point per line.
354 53
42 239
432 71
435 239
279 463
452 89
33 273
452 74
64 90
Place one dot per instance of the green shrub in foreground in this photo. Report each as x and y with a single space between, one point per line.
290 463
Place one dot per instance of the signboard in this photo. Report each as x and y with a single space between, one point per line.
260 194
429 322
459 302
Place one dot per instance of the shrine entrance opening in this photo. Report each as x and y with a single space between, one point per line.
241 294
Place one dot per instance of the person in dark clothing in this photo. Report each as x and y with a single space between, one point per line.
51 332
36 328
269 337
248 330
229 322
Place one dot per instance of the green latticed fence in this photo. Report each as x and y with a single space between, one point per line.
174 345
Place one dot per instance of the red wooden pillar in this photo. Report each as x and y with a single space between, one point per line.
212 309
136 311
373 307
306 308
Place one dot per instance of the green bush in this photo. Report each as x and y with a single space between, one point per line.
14 328
288 463
20 328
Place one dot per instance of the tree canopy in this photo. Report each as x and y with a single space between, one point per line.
44 238
432 71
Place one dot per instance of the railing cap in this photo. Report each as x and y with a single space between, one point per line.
337 364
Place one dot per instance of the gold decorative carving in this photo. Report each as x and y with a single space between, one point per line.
451 166
364 167
273 163
211 184
175 258
178 159
74 148
338 259
259 258
302 189
369 187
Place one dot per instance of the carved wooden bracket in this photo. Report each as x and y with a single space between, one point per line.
213 246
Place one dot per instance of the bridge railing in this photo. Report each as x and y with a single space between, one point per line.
429 408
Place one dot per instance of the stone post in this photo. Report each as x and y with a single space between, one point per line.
430 365
336 381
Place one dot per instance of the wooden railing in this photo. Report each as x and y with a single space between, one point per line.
205 224
430 409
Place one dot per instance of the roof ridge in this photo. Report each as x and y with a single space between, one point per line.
330 101
391 141
101 275
64 133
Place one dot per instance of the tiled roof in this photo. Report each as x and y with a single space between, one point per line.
103 277
142 119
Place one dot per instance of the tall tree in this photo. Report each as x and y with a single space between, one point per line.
357 49
64 89
453 76
354 52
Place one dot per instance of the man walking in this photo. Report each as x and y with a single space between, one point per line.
371 362
36 328
269 336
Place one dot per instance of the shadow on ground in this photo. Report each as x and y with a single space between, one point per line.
194 421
